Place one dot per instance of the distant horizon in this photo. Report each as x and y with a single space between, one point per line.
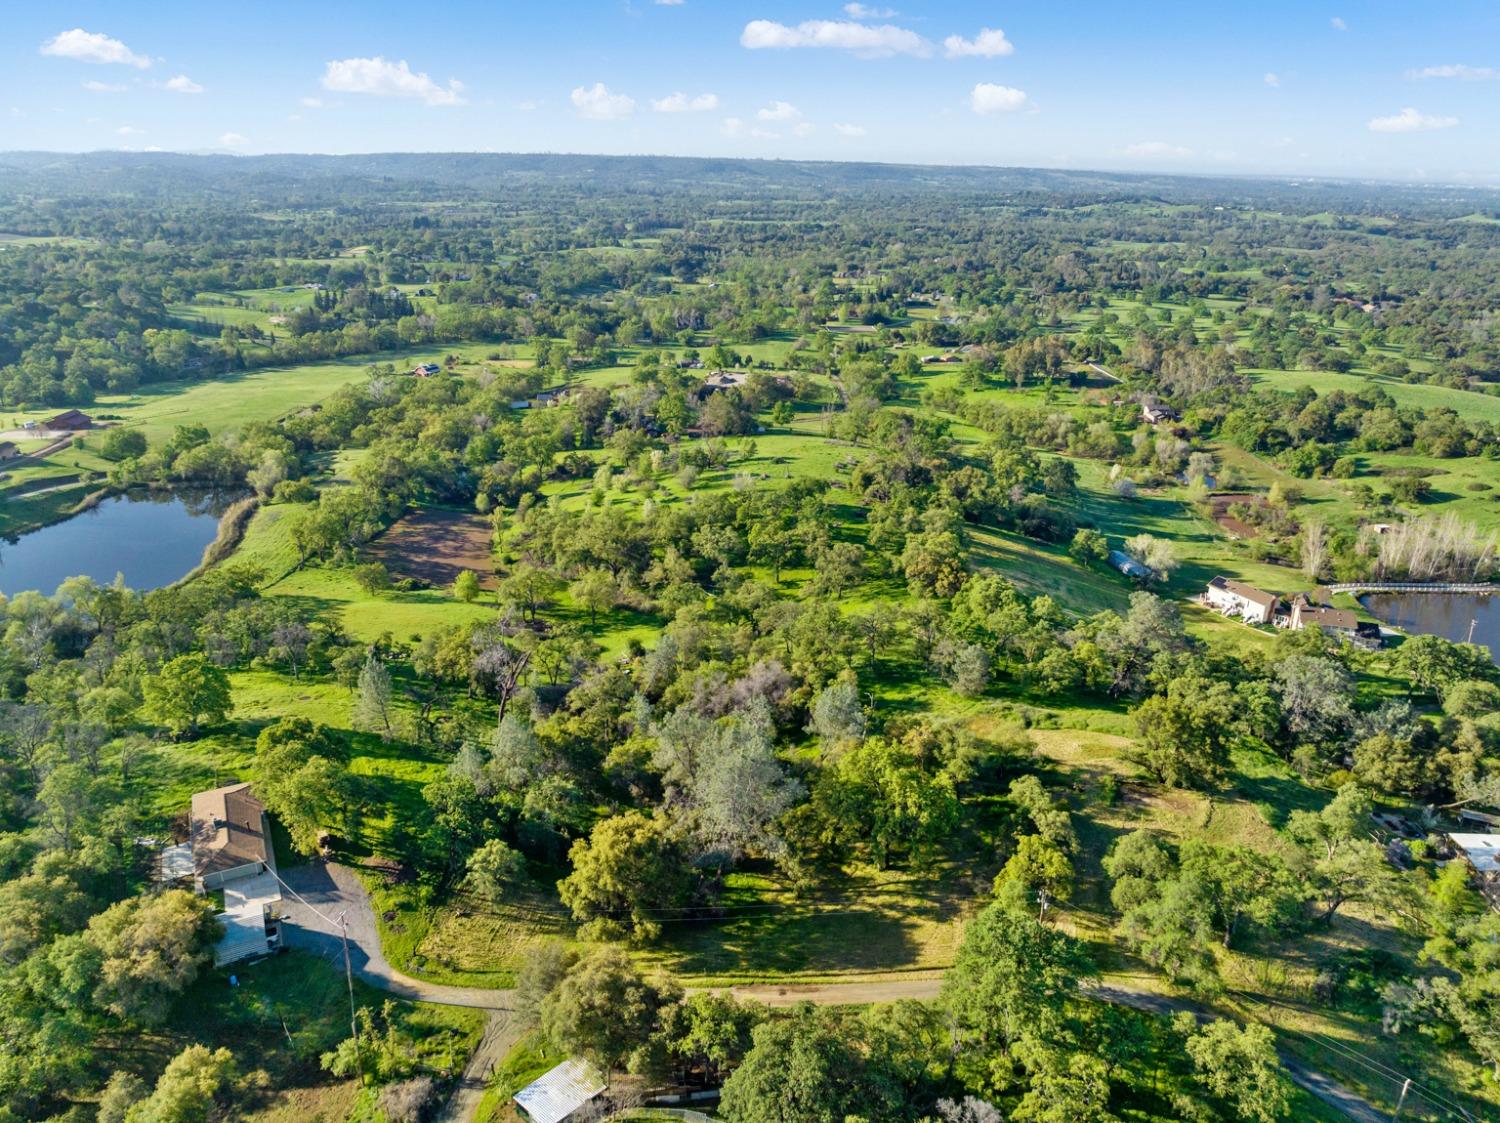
1491 184
1281 89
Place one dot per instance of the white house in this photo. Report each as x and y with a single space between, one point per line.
1235 598
560 1094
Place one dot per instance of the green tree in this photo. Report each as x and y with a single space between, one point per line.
466 586
495 871
606 1012
805 1068
623 872
1238 1067
1089 547
193 1088
187 693
1185 734
1009 985
122 444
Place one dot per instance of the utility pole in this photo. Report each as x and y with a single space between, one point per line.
1400 1103
359 1060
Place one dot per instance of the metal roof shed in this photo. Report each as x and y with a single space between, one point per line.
555 1096
1482 850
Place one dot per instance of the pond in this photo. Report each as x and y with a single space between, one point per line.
1450 615
153 538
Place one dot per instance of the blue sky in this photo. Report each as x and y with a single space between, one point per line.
1368 89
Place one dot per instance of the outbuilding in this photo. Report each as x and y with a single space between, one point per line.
69 419
560 1094
9 450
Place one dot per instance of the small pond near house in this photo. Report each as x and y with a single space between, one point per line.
153 538
1441 614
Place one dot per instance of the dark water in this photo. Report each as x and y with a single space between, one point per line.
152 538
1441 614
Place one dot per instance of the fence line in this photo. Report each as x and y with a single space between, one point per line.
1414 587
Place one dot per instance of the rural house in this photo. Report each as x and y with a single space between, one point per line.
69 419
560 1094
231 849
1229 597
1340 623
9 450
426 370
1155 414
721 380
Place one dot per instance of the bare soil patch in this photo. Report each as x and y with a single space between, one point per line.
436 546
1221 505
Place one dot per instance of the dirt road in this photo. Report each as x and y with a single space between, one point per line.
330 891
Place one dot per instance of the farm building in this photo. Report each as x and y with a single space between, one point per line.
9 450
1129 566
1155 414
426 370
721 380
560 1094
70 419
1235 598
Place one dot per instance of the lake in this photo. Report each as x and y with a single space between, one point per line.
153 538
1440 614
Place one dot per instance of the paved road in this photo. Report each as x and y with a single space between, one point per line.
329 891
334 890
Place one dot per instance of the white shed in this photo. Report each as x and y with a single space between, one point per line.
560 1094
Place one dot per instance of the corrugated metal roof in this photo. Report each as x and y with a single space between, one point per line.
1482 850
559 1093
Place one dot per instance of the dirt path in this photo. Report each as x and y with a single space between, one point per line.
500 1036
329 891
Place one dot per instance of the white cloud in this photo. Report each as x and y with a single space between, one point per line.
804 128
682 103
1272 79
313 103
1338 24
1409 120
598 104
129 130
233 140
383 78
732 126
849 130
1457 70
779 111
987 98
669 3
989 43
90 46
865 40
764 134
528 105
182 84
97 87
864 11
1156 150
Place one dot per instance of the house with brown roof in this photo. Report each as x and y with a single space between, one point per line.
9 450
1235 598
69 419
230 836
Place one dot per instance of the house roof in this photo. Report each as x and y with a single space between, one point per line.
228 830
559 1093
70 415
1482 850
1340 618
1245 592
